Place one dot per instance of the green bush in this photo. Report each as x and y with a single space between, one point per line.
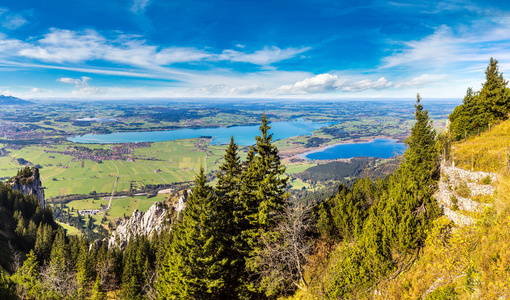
444 293
463 190
487 180
454 201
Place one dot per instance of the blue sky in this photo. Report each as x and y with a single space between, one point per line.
320 49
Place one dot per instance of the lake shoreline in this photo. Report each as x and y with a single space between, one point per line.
243 135
303 152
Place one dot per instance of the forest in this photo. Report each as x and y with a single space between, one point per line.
243 238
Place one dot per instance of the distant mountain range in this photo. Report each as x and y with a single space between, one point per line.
10 100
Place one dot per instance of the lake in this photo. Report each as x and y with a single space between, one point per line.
382 148
243 135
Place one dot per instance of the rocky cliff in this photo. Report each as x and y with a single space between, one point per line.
155 219
28 181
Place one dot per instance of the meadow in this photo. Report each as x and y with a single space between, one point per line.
166 163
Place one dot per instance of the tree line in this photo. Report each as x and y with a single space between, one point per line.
481 109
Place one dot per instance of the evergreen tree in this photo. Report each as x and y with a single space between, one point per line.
59 252
270 175
494 95
43 241
231 216
27 277
264 199
421 157
97 290
350 208
7 288
408 206
194 264
400 213
135 258
84 268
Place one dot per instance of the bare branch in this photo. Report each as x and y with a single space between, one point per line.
285 250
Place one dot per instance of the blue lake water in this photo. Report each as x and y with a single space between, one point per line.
243 135
383 148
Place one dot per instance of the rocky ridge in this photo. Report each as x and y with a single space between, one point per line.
28 181
140 223
155 219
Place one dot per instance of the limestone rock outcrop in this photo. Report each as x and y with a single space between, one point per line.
28 181
155 219
449 199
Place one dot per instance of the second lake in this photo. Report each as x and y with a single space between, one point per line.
382 148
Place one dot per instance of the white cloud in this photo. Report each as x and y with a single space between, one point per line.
264 57
81 85
434 49
6 93
210 90
326 83
35 90
77 82
246 90
318 84
8 47
139 6
420 81
62 46
179 55
12 22
449 46
66 46
366 84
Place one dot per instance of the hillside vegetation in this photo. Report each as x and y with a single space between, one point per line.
470 262
487 152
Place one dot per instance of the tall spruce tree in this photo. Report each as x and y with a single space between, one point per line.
231 213
271 182
396 226
97 290
421 157
494 95
408 206
264 198
227 188
194 267
28 278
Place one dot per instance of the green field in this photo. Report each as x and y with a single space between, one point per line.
70 229
173 161
299 167
120 207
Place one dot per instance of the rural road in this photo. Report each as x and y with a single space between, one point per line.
114 185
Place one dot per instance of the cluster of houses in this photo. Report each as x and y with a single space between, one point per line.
118 152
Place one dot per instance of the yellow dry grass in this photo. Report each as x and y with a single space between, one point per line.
487 152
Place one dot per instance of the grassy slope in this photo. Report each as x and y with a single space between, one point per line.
471 262
488 152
